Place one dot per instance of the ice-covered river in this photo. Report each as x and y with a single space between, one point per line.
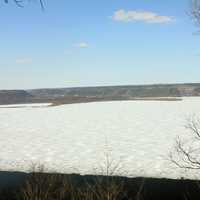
76 138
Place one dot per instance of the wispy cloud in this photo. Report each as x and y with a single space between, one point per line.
141 16
82 45
23 60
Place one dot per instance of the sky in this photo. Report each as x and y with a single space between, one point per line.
76 43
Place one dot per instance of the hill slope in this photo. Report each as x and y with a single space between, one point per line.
87 94
14 96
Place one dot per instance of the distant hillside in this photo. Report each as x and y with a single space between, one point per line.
87 94
14 96
165 90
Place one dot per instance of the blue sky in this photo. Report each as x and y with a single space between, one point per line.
92 42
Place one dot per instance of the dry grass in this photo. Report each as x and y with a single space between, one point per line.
45 186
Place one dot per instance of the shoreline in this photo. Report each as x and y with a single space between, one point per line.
58 102
54 104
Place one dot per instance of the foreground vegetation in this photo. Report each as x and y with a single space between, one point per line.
44 186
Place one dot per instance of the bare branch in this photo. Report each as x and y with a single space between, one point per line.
195 11
19 3
186 155
194 126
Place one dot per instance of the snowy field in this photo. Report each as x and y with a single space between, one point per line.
75 138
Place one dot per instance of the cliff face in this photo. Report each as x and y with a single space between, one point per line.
14 96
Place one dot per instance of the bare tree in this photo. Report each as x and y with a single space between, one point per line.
20 2
187 152
195 11
106 184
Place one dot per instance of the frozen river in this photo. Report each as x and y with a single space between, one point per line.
76 138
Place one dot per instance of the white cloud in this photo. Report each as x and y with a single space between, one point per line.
82 45
141 16
23 61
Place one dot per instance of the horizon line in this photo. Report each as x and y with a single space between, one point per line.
104 86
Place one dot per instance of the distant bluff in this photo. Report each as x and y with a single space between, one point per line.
14 96
106 93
